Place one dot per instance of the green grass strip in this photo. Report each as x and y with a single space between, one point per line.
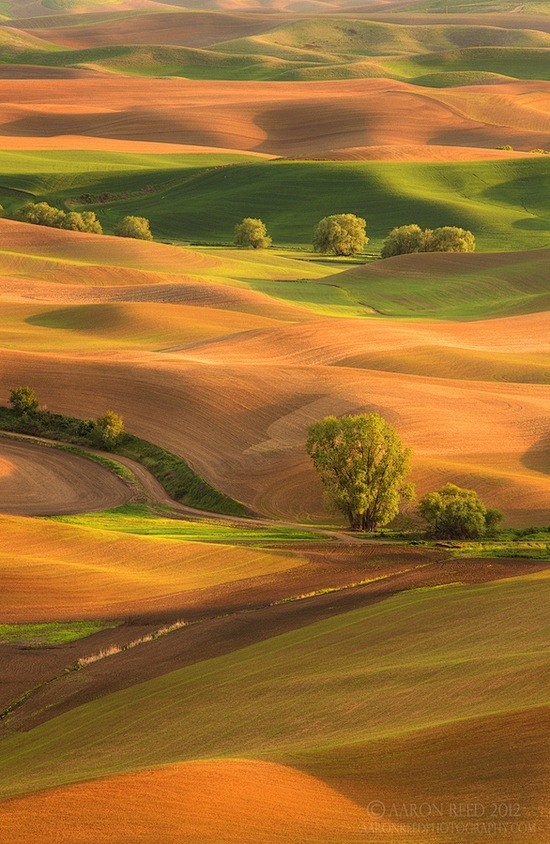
50 633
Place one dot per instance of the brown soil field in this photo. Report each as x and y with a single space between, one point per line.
286 119
251 445
412 152
58 572
84 142
448 387
37 480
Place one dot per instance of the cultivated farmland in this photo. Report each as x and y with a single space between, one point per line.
194 646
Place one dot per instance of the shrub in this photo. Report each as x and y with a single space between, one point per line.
456 513
341 234
24 400
109 429
138 227
251 233
41 214
82 221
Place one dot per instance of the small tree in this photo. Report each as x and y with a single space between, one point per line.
24 400
251 233
82 221
456 513
403 240
363 465
450 239
109 428
137 227
340 234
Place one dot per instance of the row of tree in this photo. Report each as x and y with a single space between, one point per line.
363 466
105 431
338 234
43 214
346 234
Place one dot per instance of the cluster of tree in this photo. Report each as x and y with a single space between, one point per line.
405 240
346 234
43 214
363 467
105 431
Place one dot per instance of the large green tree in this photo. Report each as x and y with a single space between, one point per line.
363 464
341 234
456 513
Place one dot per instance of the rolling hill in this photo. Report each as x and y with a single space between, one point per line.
201 199
261 674
262 723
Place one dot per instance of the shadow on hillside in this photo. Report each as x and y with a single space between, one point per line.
538 456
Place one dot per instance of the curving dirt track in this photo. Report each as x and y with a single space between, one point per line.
37 480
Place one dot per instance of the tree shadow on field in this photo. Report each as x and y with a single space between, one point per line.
533 224
537 457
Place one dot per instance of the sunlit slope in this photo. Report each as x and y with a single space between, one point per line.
234 801
62 572
511 349
386 674
69 271
119 325
502 202
429 286
305 119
